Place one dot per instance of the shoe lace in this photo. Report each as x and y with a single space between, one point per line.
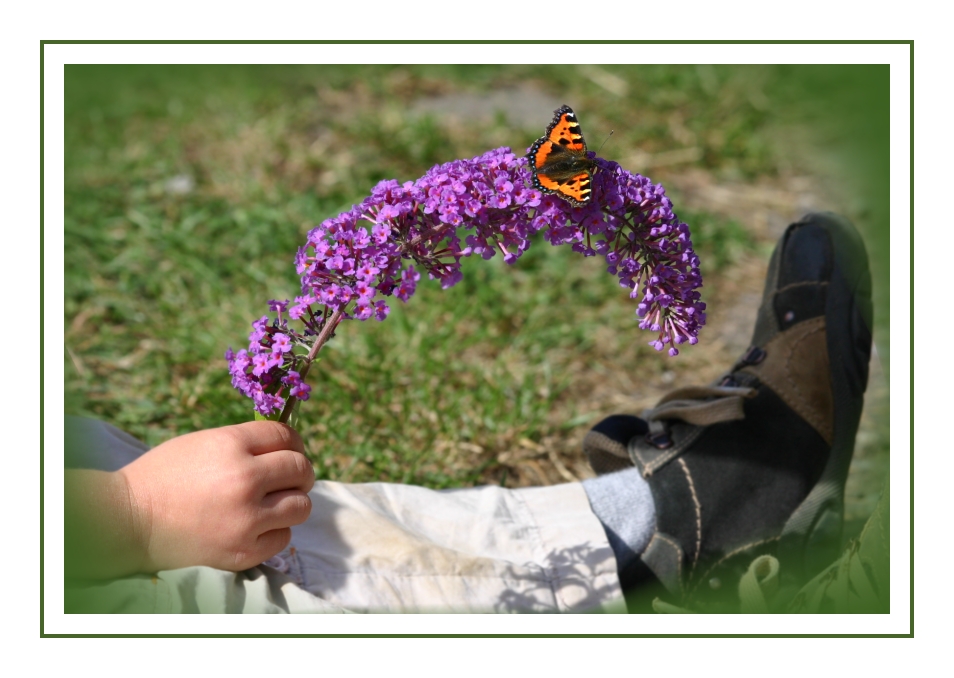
703 405
696 405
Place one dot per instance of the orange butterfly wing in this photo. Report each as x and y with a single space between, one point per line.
559 162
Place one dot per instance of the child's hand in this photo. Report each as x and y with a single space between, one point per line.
224 497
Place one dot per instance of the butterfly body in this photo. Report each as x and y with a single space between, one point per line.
559 161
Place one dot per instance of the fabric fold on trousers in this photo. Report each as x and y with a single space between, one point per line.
381 547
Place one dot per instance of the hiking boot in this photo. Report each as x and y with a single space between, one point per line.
756 462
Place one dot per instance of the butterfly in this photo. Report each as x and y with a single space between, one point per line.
559 161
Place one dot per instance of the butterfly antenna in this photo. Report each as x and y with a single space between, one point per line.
604 142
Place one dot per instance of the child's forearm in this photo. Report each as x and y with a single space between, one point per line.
103 536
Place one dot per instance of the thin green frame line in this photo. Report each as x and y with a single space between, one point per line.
43 43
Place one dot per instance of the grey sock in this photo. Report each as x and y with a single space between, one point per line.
624 504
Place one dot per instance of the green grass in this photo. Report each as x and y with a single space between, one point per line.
160 283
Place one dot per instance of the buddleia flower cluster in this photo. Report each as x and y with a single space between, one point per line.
352 265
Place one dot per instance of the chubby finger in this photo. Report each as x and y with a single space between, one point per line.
284 509
257 550
272 542
261 437
284 470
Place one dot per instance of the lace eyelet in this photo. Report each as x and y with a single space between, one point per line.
659 440
753 356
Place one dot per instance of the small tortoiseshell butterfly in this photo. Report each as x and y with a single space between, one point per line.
559 161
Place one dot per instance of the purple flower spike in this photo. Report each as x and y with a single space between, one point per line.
484 206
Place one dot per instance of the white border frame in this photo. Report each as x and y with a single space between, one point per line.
898 622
